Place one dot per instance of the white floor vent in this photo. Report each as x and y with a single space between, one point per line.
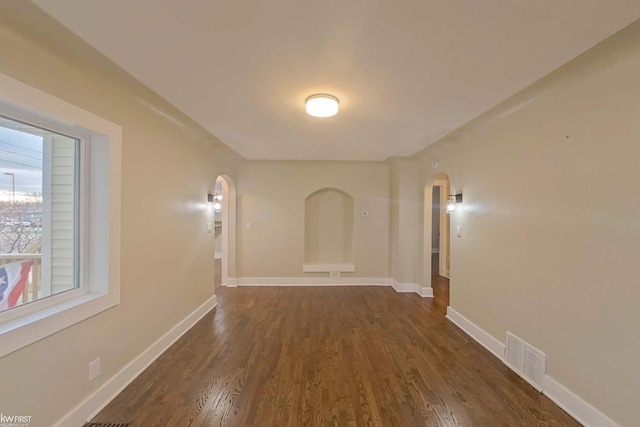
526 360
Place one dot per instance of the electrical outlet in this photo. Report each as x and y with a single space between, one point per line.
94 369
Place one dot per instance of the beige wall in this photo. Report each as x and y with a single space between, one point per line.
407 216
167 255
271 196
551 239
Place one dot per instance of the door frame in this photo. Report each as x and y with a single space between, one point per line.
444 226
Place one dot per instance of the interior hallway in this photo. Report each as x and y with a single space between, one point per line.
218 274
344 356
439 284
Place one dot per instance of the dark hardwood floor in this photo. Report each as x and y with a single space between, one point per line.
343 356
439 284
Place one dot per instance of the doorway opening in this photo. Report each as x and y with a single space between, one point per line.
440 240
224 213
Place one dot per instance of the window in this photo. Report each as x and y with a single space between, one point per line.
39 213
59 214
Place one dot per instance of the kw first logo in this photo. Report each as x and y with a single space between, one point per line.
14 419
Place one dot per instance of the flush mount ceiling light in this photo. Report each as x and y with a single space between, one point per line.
322 105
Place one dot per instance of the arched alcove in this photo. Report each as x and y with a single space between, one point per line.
328 231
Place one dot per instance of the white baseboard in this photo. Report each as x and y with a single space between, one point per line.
313 281
402 287
573 405
412 287
109 390
487 341
579 409
326 268
231 283
425 292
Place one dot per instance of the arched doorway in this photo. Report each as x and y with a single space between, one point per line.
438 237
225 230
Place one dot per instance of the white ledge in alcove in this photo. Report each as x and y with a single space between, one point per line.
327 268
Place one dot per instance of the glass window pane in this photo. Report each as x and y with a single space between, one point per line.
38 213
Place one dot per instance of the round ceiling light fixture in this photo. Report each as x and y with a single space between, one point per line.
322 105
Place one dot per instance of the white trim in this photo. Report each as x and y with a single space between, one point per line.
110 389
312 281
445 225
45 247
231 283
518 371
425 292
573 405
402 287
101 261
327 268
487 341
228 225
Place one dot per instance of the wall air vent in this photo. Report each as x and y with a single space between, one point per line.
526 360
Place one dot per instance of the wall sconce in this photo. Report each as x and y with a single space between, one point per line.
216 199
453 200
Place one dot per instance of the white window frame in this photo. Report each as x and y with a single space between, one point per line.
101 148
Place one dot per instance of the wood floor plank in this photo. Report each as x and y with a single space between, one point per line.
330 356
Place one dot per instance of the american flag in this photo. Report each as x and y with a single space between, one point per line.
13 279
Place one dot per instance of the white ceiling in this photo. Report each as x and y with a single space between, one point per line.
406 71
